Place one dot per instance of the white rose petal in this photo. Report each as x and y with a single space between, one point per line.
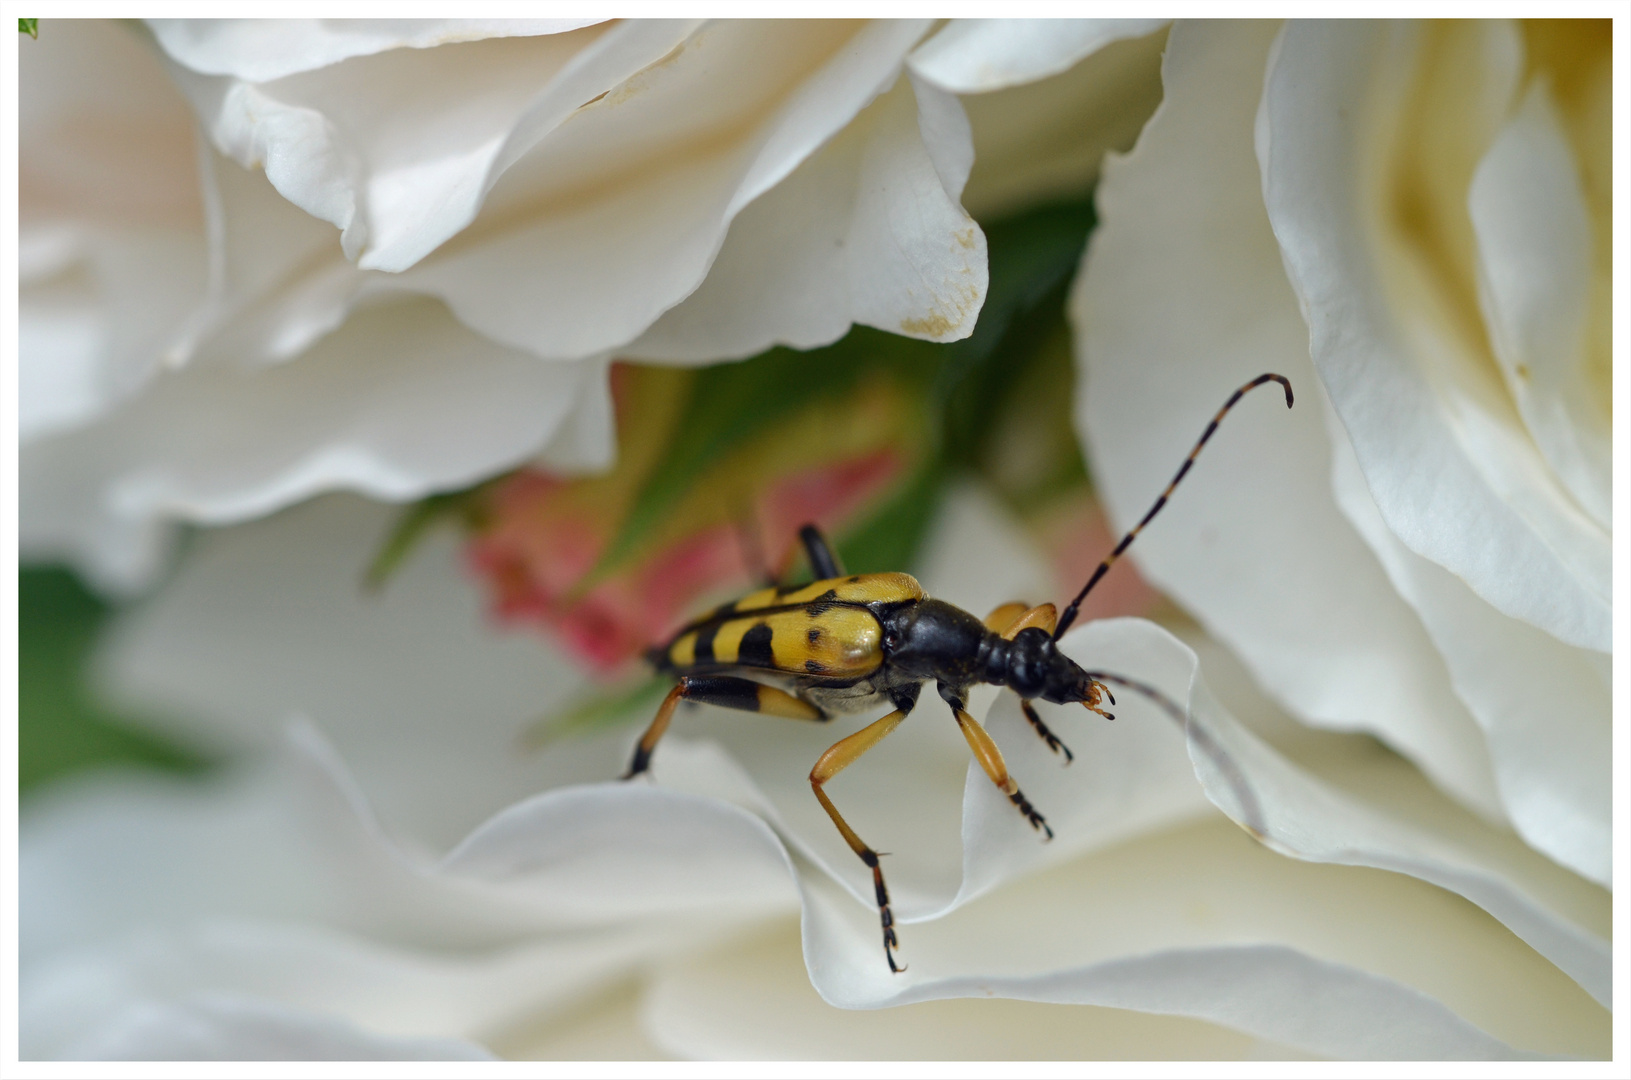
553 858
586 221
1131 780
559 192
1403 814
1293 814
1182 299
825 247
1472 494
111 255
1541 703
1044 140
1535 248
398 147
260 50
648 241
393 991
609 1026
483 947
220 1027
974 56
755 1003
1274 543
1446 456
384 672
400 402
1140 950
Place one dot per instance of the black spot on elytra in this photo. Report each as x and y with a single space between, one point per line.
814 635
704 652
814 667
855 579
819 606
755 648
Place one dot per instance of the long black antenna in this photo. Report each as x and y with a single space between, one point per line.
1075 605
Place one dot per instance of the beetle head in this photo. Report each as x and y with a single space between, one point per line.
1036 668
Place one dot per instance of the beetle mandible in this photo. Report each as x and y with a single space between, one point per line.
846 643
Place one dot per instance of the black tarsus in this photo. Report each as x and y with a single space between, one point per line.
1048 736
824 562
1070 612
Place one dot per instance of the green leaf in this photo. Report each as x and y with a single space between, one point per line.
1030 455
31 27
60 729
415 521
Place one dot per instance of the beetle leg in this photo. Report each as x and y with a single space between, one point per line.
1003 616
727 692
659 724
838 757
1008 620
990 759
1053 741
823 560
1043 615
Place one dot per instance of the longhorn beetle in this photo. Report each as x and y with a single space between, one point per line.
846 643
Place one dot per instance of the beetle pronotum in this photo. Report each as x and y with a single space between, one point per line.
847 643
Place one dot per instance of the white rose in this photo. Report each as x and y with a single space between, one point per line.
513 203
1422 551
391 883
401 881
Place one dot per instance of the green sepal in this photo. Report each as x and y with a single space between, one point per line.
891 537
31 27
732 403
415 521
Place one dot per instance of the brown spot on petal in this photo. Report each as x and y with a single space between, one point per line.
936 325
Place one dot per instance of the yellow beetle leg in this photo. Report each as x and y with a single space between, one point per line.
990 759
728 693
1016 617
1043 615
1003 616
659 724
837 758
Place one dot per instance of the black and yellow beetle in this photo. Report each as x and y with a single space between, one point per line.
847 643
